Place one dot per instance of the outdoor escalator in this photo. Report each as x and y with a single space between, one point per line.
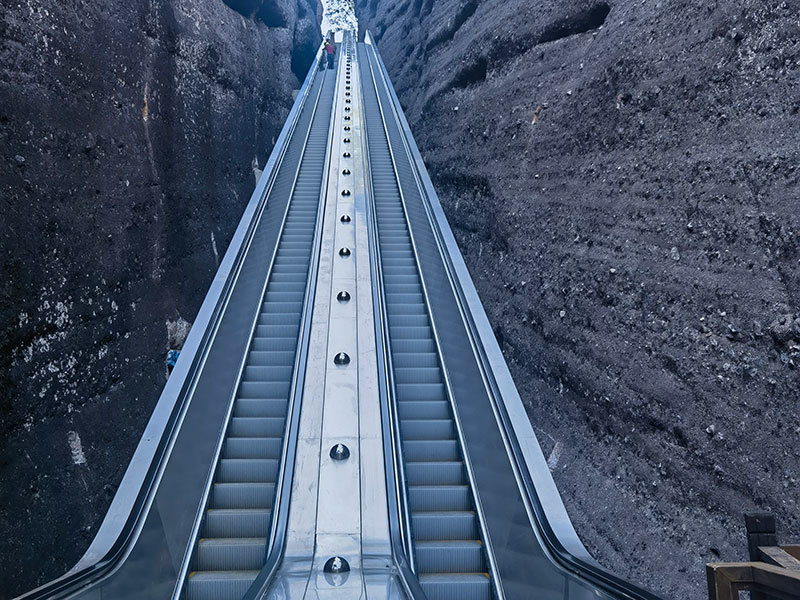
195 514
449 553
205 510
234 534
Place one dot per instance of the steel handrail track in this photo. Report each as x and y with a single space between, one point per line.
74 581
589 571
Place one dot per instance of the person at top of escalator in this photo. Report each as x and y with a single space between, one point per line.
330 50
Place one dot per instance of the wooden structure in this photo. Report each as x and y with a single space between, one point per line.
772 573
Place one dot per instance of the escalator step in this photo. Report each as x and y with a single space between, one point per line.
278 331
287 298
264 389
475 586
252 447
436 473
420 391
417 374
442 525
439 497
289 277
405 308
236 522
396 299
258 407
400 347
432 450
271 357
290 286
269 373
230 554
275 344
401 288
448 556
256 427
219 585
279 313
247 470
422 409
428 429
409 321
242 495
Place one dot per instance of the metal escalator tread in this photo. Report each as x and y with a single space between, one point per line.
450 559
235 530
446 586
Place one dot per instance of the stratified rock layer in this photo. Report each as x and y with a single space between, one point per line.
622 180
129 132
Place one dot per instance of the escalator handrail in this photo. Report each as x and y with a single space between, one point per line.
119 530
561 541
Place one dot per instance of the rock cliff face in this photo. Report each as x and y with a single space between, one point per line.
622 180
129 132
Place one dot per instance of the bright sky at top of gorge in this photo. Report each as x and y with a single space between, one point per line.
338 15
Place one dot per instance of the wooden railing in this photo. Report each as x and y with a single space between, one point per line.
772 573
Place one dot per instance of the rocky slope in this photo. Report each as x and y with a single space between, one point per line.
622 180
129 134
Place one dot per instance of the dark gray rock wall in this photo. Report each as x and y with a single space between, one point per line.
128 136
622 180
